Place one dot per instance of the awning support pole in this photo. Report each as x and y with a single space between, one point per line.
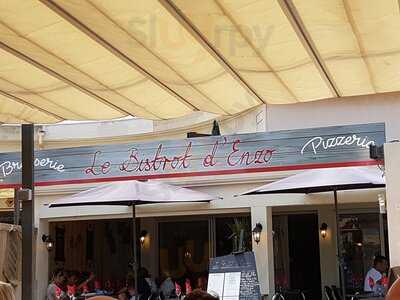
28 263
17 208
339 255
135 255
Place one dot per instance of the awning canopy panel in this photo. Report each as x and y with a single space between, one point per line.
161 59
357 41
257 39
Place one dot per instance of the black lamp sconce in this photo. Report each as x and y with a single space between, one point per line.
48 241
257 232
324 230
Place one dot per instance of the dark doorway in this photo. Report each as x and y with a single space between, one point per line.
184 250
305 271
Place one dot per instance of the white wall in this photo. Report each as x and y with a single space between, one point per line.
42 260
263 251
133 130
104 129
254 120
327 247
392 165
186 121
344 111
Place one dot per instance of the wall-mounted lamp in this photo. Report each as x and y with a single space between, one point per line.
143 235
48 241
257 232
187 254
323 230
41 133
382 203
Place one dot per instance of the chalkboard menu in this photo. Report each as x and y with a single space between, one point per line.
235 271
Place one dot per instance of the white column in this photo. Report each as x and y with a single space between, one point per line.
327 247
392 167
264 249
42 261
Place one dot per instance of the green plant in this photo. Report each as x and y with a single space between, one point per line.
241 234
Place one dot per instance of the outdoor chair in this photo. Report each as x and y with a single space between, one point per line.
329 293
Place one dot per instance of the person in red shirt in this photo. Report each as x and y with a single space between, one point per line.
73 282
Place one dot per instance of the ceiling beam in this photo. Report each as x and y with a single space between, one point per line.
191 28
43 56
294 18
255 49
36 100
60 77
360 44
24 102
98 39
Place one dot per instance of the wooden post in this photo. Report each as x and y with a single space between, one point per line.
339 254
28 270
134 242
17 207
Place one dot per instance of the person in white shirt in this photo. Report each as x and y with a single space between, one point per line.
167 286
374 279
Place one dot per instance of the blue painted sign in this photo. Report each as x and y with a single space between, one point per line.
222 155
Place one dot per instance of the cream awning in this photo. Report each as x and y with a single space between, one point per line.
161 59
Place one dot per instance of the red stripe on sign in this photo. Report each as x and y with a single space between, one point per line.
203 173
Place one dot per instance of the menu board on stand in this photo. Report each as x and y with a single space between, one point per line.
234 277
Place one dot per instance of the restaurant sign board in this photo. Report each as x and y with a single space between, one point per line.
206 156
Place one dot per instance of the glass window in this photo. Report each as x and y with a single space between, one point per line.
103 247
281 251
360 241
184 250
232 233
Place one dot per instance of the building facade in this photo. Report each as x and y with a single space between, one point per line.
84 235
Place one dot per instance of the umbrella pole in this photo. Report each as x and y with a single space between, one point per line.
339 255
135 256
